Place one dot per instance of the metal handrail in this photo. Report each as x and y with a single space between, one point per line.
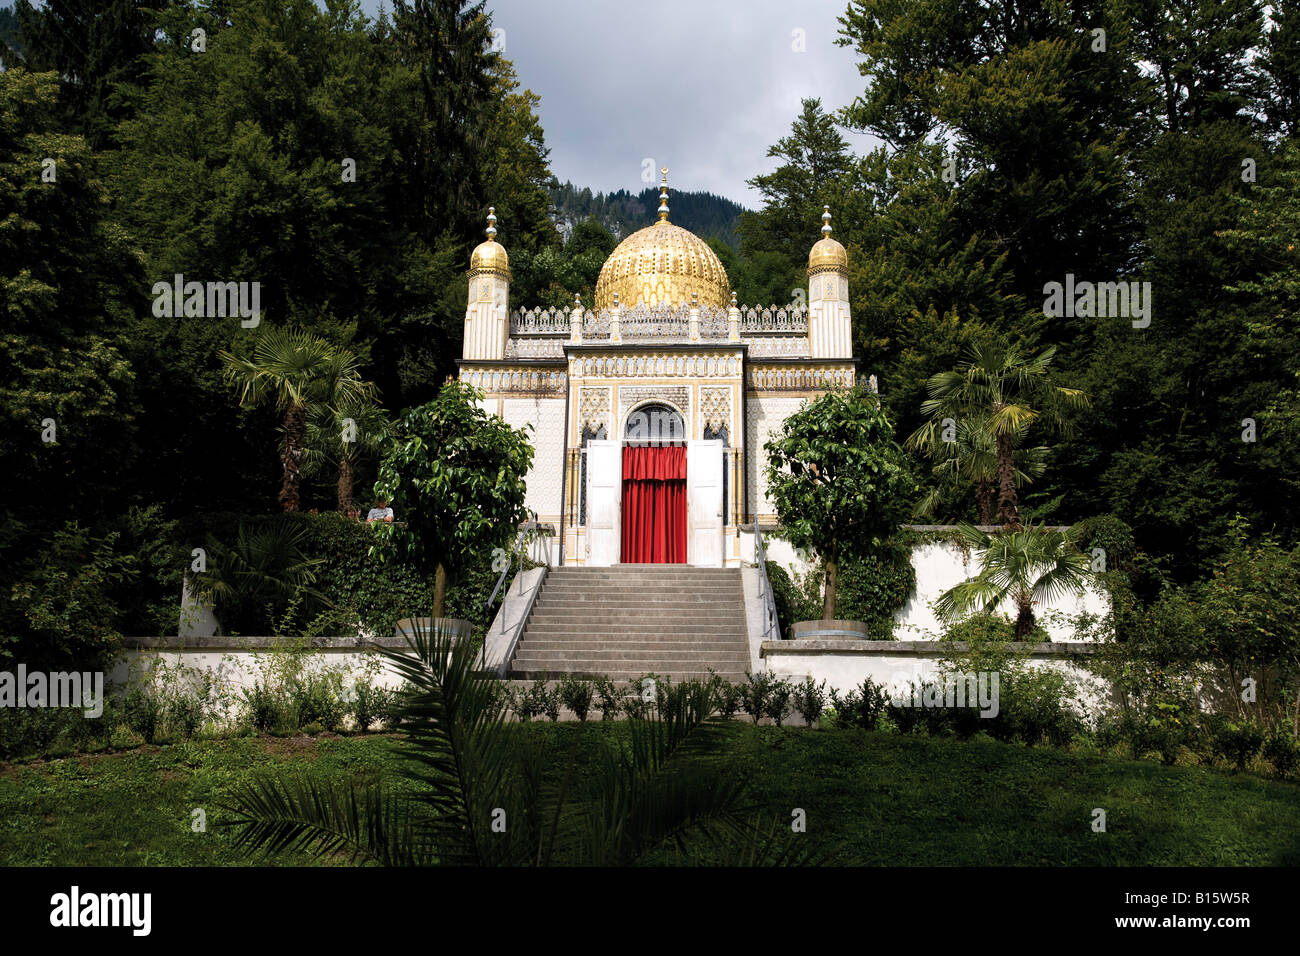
517 550
771 627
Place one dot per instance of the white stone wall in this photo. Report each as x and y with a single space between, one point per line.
546 416
764 415
846 669
941 564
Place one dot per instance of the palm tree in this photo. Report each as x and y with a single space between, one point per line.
1003 393
480 798
295 371
327 441
1027 566
253 580
971 459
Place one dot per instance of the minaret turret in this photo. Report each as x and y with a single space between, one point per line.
487 322
829 329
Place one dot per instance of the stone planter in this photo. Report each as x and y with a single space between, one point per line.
830 631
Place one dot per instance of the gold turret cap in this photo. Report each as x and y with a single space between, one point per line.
827 254
489 258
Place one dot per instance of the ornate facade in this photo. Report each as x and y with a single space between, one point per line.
667 357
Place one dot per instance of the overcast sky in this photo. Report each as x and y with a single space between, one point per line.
701 86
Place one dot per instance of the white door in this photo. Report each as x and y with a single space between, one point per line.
704 504
604 489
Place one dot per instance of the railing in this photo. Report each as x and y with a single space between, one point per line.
660 322
517 551
771 626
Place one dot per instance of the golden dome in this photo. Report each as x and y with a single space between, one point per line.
490 257
663 264
827 254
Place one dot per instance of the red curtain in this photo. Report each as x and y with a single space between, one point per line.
654 504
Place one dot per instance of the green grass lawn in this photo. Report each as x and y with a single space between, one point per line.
872 798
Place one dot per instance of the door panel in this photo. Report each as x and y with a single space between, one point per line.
704 503
604 487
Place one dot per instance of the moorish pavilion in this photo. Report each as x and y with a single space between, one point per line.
649 412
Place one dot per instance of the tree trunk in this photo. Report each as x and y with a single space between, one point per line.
1008 507
345 484
295 436
984 501
832 577
1025 617
439 590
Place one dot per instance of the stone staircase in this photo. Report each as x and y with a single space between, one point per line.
624 621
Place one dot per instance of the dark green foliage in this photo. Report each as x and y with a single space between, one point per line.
756 694
1238 743
370 705
316 698
792 603
777 705
264 708
623 213
860 707
876 585
809 699
838 481
26 731
663 789
576 694
143 711
1282 750
610 697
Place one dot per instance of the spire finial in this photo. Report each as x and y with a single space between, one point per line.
492 223
663 196
826 222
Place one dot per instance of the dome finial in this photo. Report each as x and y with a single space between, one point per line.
663 196
826 221
492 224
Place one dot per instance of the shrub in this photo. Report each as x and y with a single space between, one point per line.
317 697
142 713
576 694
370 704
810 700
1282 750
182 714
610 697
28 731
265 710
727 697
778 699
1236 742
123 737
533 702
754 694
1035 706
860 707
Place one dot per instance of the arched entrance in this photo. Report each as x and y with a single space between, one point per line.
654 487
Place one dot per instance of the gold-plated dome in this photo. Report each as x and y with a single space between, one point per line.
827 254
489 258
663 264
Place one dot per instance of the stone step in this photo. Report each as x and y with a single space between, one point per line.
567 642
646 626
624 673
668 598
529 656
629 620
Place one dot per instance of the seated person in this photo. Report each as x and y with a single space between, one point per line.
380 512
